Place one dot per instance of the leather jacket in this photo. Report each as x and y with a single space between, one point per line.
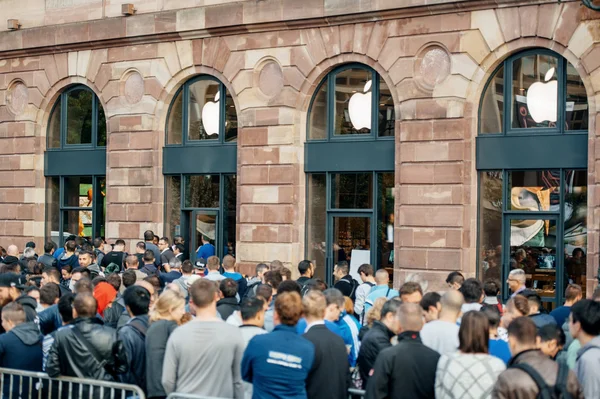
70 357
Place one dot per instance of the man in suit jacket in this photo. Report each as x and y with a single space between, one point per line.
329 377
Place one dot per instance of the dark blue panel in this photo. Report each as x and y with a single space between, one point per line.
532 152
200 159
75 162
349 156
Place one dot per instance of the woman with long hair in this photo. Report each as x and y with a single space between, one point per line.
471 372
167 315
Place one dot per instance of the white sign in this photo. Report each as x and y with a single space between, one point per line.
358 257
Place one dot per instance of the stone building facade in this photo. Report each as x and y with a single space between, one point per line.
434 56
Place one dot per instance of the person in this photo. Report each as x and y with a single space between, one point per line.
366 273
91 347
86 260
455 280
306 270
535 305
378 338
11 285
431 305
277 364
208 370
348 325
551 340
133 335
255 281
49 319
68 257
131 263
471 366
166 253
65 309
497 347
229 272
516 306
227 304
140 250
105 294
372 315
382 289
441 335
149 267
212 265
166 316
52 275
116 256
151 246
406 370
411 292
584 324
98 244
179 251
329 376
206 250
187 278
47 259
185 254
573 294
473 294
343 280
173 272
66 273
517 381
491 291
252 312
516 281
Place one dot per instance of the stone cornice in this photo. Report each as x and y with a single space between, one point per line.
210 21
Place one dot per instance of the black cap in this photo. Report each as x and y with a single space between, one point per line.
200 263
8 280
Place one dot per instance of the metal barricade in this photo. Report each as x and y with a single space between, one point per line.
176 395
17 384
356 393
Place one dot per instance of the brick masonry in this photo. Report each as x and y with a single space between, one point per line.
436 108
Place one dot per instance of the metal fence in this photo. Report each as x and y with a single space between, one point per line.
356 393
352 394
17 384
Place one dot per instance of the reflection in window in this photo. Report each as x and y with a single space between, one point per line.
54 127
204 110
231 124
534 190
352 191
53 208
534 91
229 212
318 115
353 102
316 215
173 205
490 226
385 220
577 104
174 124
575 225
202 191
491 117
386 117
79 116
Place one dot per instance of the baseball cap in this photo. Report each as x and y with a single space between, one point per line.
200 263
8 280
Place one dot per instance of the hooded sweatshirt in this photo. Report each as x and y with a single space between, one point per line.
104 293
21 348
587 368
30 306
67 260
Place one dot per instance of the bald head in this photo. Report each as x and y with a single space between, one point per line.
382 277
12 250
452 301
410 316
84 305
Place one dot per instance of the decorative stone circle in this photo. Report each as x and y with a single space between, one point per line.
432 66
134 88
18 97
270 79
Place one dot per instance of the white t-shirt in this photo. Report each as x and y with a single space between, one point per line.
441 336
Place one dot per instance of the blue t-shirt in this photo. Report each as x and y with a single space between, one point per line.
500 349
205 251
302 324
561 314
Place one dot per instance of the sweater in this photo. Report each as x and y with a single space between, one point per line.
156 343
212 368
249 332
467 375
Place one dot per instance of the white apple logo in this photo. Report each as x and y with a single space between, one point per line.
359 108
211 115
542 99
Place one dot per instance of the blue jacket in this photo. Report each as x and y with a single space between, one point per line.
133 336
71 260
50 320
349 329
167 278
205 251
277 364
240 280
379 291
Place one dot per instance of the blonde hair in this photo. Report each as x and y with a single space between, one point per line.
375 312
166 303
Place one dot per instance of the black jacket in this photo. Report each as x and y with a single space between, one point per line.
133 336
329 376
227 306
70 357
48 260
404 371
347 285
156 344
375 340
21 349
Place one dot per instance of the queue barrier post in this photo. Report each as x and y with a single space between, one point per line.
18 384
356 393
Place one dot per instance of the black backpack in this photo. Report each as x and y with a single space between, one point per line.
558 391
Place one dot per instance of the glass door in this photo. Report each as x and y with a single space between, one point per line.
204 238
349 240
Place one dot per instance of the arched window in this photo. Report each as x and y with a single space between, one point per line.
200 164
532 164
350 171
75 166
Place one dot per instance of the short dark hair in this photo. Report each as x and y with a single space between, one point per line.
474 333
303 266
472 289
84 285
85 305
83 270
65 307
455 277
587 313
98 242
70 245
430 299
532 297
572 292
490 288
251 307
316 284
129 278
137 298
289 286
273 278
523 329
180 248
551 332
120 242
343 266
366 269
493 314
49 246
148 235
228 287
265 291
165 239
141 245
155 281
390 306
49 293
149 256
202 292
68 268
53 273
115 280
261 267
187 267
410 287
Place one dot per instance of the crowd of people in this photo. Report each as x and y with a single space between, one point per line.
156 320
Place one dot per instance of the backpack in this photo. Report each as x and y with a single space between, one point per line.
113 313
353 289
558 391
251 290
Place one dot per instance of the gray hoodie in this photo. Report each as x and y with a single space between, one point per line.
587 368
